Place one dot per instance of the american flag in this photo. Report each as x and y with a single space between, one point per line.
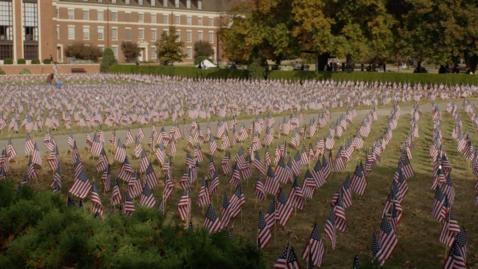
295 140
329 229
296 196
407 169
236 202
160 154
36 156
387 241
96 146
339 210
340 162
211 168
284 208
359 181
455 259
172 146
53 159
239 158
437 205
326 167
151 142
267 157
150 176
184 205
88 138
272 184
81 186
225 143
141 134
28 144
189 160
147 197
129 136
112 138
258 164
56 182
259 189
102 161
281 173
226 211
296 164
204 197
134 185
235 179
137 147
314 249
126 170
198 156
374 247
143 162
168 188
11 152
128 206
268 137
120 153
263 232
448 190
449 230
287 259
220 129
329 142
211 220
212 146
271 214
96 205
106 178
226 163
31 169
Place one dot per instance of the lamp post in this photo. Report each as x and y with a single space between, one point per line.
217 41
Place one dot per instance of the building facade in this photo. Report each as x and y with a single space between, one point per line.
40 29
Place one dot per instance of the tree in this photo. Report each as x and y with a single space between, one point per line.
107 60
202 48
130 50
82 51
358 28
169 48
260 29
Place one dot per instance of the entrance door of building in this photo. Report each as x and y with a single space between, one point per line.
141 55
59 55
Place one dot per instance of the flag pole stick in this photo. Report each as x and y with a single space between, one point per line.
288 249
275 221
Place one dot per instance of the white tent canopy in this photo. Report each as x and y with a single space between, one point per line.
207 64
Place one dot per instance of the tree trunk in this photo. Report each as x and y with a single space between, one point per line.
471 61
322 61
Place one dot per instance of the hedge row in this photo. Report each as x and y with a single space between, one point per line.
194 72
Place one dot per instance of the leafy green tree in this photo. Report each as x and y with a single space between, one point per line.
169 48
358 28
130 50
203 48
260 29
107 60
80 50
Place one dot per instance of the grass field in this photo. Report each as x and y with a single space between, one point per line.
418 232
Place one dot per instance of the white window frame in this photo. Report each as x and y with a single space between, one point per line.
140 2
87 13
114 48
189 52
57 31
177 20
71 35
188 4
102 15
189 36
199 20
140 30
140 17
87 32
127 2
165 3
166 19
114 16
200 4
125 31
115 30
71 13
211 37
189 20
113 1
153 3
154 37
200 36
176 3
102 47
154 17
102 32
211 21
57 13
127 14
178 33
154 53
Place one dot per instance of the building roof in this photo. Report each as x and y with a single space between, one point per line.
207 5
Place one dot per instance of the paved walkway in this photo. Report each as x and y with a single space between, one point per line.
62 140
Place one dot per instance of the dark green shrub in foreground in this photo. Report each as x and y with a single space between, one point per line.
21 61
8 61
46 61
38 230
35 61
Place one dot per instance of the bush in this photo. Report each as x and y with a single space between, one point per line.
199 59
8 61
2 72
107 60
35 61
46 61
43 232
25 72
256 71
203 48
21 61
130 50
81 51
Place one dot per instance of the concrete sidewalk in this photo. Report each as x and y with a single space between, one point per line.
62 140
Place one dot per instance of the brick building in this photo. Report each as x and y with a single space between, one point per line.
42 29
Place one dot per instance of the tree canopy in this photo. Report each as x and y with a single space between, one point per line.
169 47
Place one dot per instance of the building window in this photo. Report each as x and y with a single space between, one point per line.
127 34
153 35
199 20
211 22
115 51
177 20
211 37
166 31
86 33
30 21
58 32
140 2
127 2
153 18
200 36
100 15
113 1
71 14
165 3
6 21
165 19
188 20
189 36
140 17
140 33
189 53
114 33
100 1
86 14
199 4
101 47
127 17
101 33
57 12
153 3
178 33
154 53
188 4
176 3
71 32
114 16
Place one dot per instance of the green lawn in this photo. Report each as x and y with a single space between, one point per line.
418 232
